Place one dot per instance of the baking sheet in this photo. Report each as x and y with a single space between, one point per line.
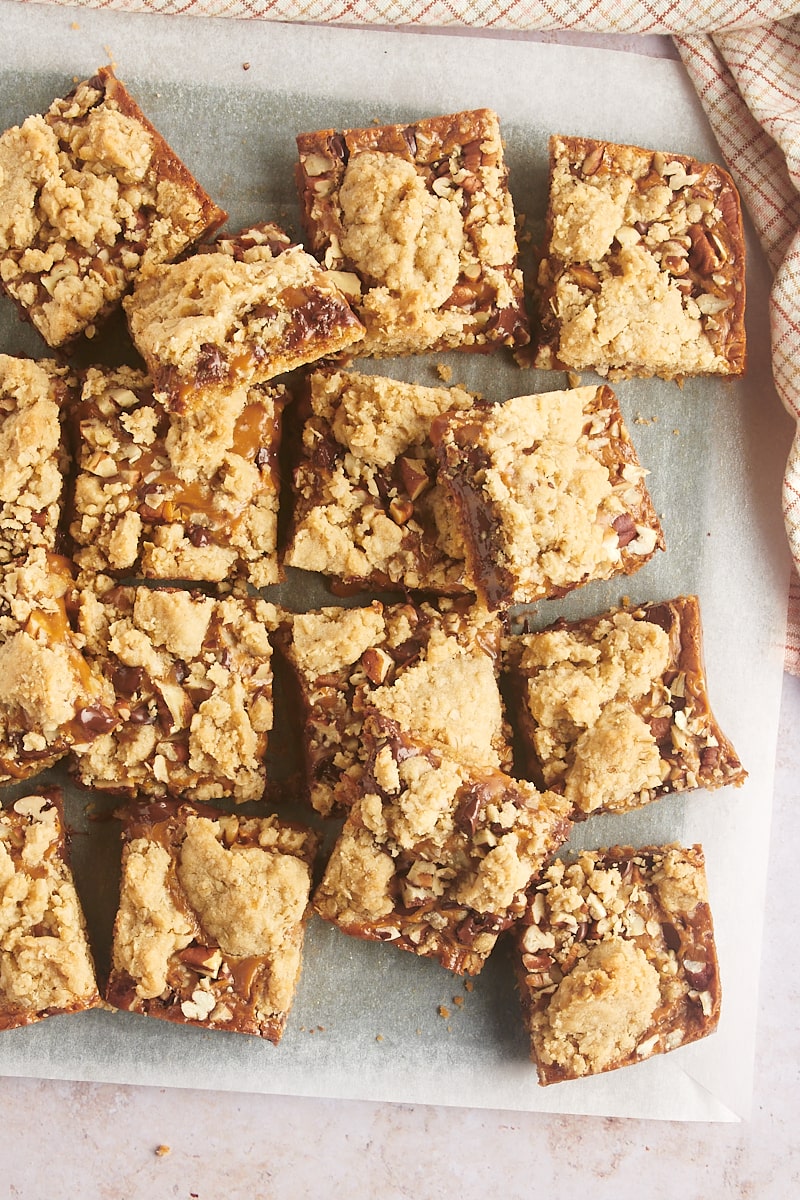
369 1021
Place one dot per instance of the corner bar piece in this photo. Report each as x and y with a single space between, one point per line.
46 965
91 195
51 698
191 677
211 918
418 221
643 269
240 311
549 491
368 510
33 457
616 960
613 711
433 668
436 855
191 496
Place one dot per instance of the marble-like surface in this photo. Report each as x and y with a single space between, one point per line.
79 1141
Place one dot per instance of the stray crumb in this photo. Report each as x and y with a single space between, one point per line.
573 379
444 372
162 1150
458 1001
378 1037
74 25
676 433
444 1012
245 66
468 985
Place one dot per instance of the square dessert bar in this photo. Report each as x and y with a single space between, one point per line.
549 493
616 960
643 268
419 222
191 680
50 697
368 509
211 917
90 194
613 711
161 495
436 854
33 458
238 312
46 965
432 668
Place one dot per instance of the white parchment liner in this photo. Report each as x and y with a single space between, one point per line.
367 1022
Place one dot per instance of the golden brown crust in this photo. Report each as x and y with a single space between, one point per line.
191 677
164 495
50 697
368 511
91 195
436 854
368 194
616 960
33 457
211 918
614 711
46 965
643 267
550 493
241 311
432 667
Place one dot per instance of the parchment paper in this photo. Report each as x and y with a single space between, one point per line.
370 1021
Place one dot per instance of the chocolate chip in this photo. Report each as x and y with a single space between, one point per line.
506 324
96 719
211 364
671 936
661 615
315 316
198 536
264 312
478 923
338 147
127 680
141 715
468 811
